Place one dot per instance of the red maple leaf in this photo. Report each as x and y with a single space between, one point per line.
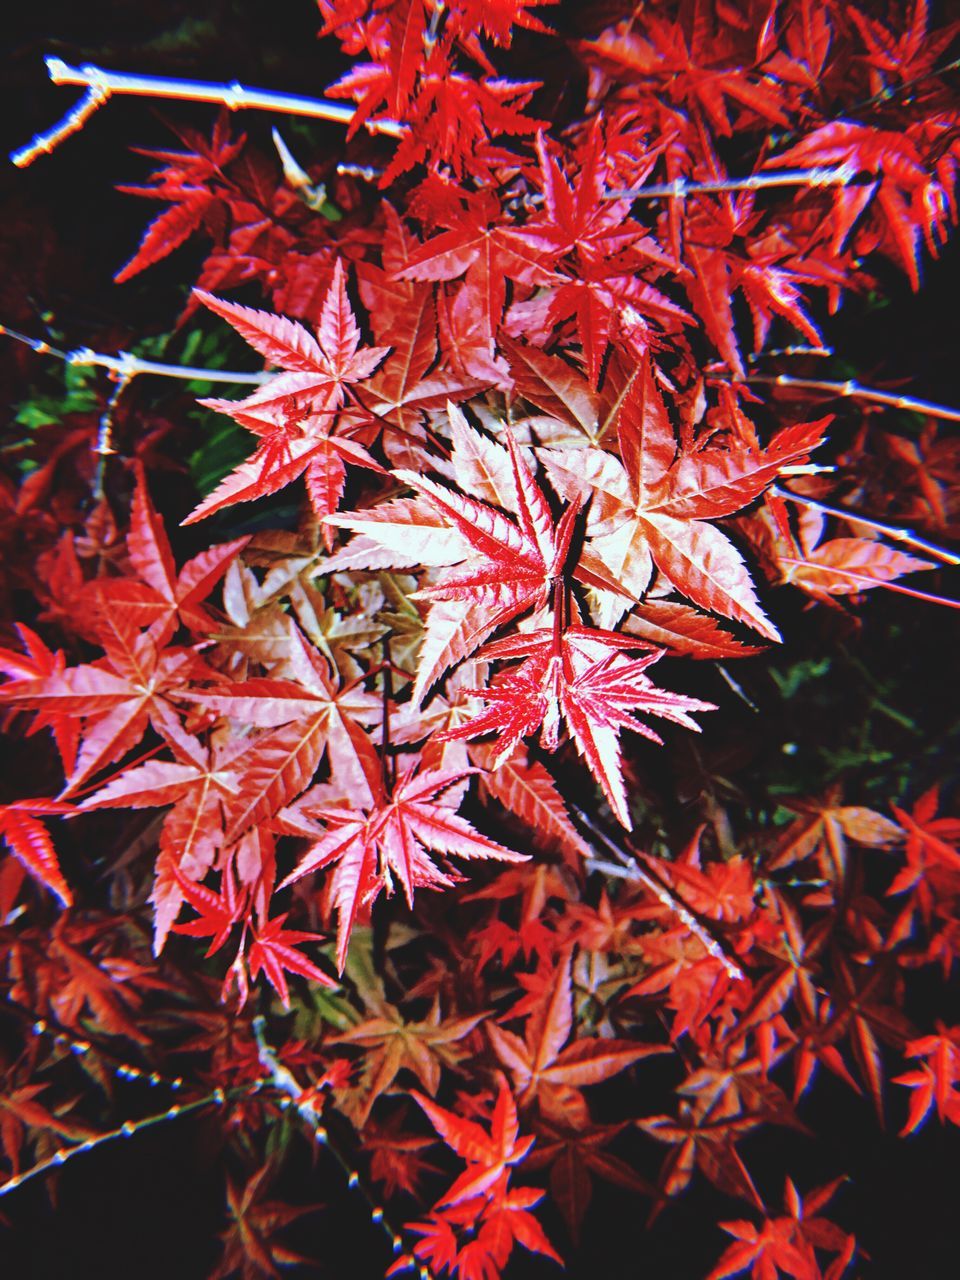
294 411
184 181
494 568
651 505
29 842
390 841
582 676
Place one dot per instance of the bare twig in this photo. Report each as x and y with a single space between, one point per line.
890 531
305 1102
127 1130
855 391
626 869
124 365
77 1045
681 187
101 85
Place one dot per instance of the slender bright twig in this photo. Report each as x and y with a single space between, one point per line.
796 349
870 582
104 446
101 85
77 1044
305 1103
124 365
857 392
624 869
889 92
888 530
680 187
127 1130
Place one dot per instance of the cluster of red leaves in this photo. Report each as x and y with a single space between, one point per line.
506 566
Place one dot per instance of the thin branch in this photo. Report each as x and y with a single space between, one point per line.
625 869
101 85
797 349
304 1100
104 446
890 531
889 92
869 581
127 1130
366 172
681 187
857 392
124 365
65 1037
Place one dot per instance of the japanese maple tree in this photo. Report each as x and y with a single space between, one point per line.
364 801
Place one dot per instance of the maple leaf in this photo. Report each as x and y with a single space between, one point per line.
162 595
934 1081
495 568
37 663
274 949
20 1110
78 979
768 275
396 1161
392 1044
847 566
293 411
688 66
808 43
738 1085
651 506
822 832
497 18
601 249
558 389
864 1010
456 117
115 697
524 788
310 713
249 1247
573 1154
909 200
546 1072
488 1155
400 391
931 844
678 627
196 784
581 675
29 842
787 1245
479 246
217 913
698 981
705 1142
184 181
392 840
